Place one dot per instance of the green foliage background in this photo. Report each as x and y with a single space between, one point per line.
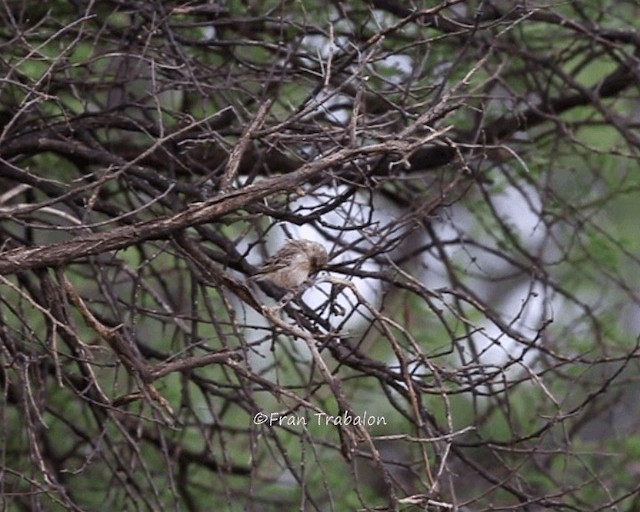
470 166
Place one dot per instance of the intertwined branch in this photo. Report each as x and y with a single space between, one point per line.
467 165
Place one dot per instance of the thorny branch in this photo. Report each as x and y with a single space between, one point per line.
467 165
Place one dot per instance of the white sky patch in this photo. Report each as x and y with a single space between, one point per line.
401 64
521 302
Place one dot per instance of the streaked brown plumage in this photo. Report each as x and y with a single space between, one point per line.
294 262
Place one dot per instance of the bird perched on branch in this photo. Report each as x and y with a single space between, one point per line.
294 262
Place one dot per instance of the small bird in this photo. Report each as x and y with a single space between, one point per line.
294 262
